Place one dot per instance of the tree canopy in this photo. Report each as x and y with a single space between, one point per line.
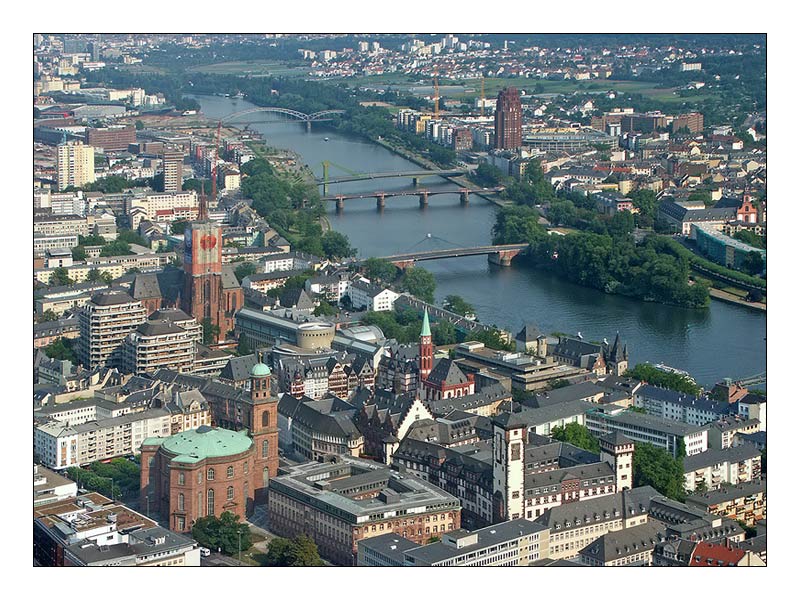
656 467
298 552
419 283
672 381
224 533
577 435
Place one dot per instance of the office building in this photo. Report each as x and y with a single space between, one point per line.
345 500
508 120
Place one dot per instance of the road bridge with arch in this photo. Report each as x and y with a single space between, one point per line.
323 115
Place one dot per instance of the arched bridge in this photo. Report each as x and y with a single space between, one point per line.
423 194
500 254
415 175
323 115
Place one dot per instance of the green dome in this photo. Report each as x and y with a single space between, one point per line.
206 442
260 370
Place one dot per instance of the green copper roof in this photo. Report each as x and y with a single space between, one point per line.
206 442
426 326
260 370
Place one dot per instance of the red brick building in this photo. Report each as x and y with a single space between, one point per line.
117 137
208 291
508 120
198 473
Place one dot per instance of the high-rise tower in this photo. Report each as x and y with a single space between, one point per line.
508 120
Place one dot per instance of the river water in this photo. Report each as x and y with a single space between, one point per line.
721 341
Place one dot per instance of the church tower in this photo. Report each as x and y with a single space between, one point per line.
425 349
508 446
202 268
263 429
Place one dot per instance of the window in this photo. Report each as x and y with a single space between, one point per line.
210 502
199 477
181 478
180 523
246 468
199 504
181 502
230 472
265 449
265 419
210 475
230 492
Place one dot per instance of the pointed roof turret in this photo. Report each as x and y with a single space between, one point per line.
426 326
616 350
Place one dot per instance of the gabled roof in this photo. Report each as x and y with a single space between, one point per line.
239 367
447 372
715 555
529 333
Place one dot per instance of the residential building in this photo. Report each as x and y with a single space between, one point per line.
575 525
344 500
159 344
677 406
723 433
713 469
743 502
754 406
633 546
75 165
173 171
365 296
105 322
315 429
706 554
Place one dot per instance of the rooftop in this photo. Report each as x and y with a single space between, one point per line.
204 442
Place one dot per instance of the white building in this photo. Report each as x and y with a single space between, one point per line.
365 296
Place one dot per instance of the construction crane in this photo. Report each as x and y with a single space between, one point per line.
214 167
435 96
483 96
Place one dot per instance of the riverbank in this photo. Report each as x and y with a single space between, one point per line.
734 299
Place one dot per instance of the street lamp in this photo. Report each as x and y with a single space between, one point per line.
240 545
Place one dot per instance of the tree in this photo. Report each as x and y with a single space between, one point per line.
672 381
703 196
491 339
336 245
178 226
94 275
419 282
298 552
621 224
379 269
48 315
139 125
753 263
131 237
210 331
78 253
656 467
245 269
458 305
577 435
243 347
324 308
60 276
61 349
116 248
224 533
444 333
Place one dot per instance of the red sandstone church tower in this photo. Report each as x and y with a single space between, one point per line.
264 429
425 349
207 293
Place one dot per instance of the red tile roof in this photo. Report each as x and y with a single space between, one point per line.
715 555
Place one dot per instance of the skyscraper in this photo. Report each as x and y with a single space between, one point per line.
508 120
75 165
173 171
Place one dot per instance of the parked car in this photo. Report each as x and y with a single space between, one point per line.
205 551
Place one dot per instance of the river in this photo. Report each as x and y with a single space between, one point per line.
721 341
